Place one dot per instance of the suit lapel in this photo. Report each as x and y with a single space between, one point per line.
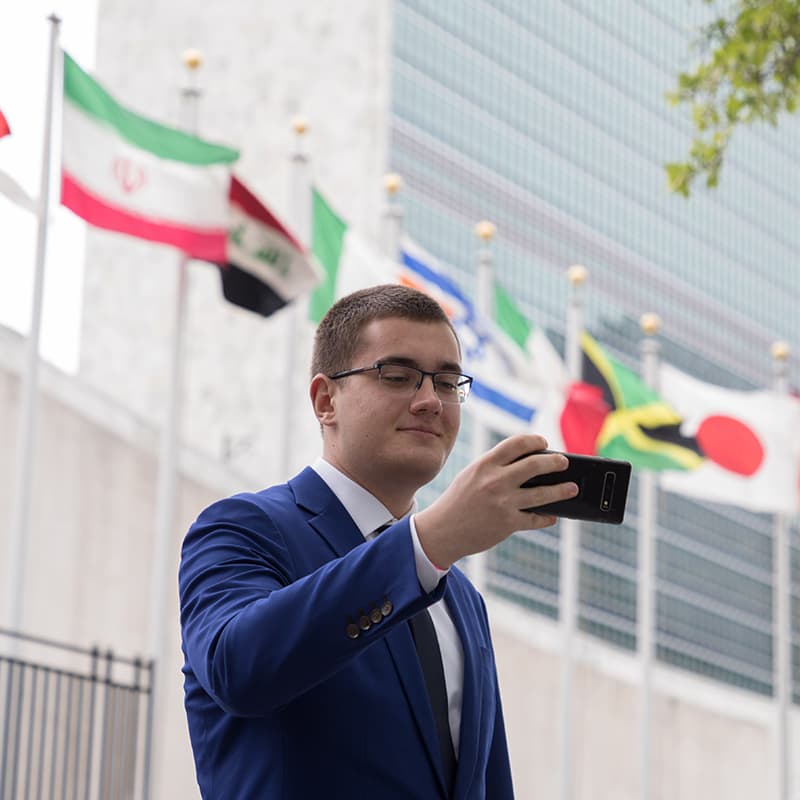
329 517
459 604
401 648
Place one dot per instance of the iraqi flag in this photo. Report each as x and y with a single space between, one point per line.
266 265
750 443
125 173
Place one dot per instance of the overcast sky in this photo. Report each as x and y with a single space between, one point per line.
24 39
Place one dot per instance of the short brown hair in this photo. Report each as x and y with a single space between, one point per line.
339 333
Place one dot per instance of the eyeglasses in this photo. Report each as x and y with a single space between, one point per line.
450 387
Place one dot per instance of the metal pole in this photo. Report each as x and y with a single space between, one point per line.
166 489
484 296
300 220
392 216
19 534
570 545
782 624
650 325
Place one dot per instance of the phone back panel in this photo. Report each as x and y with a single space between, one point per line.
602 489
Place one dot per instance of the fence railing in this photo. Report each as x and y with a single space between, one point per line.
75 723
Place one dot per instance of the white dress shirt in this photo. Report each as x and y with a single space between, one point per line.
369 513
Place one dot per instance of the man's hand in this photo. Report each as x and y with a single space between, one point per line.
482 506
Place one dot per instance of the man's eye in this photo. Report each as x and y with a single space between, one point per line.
446 386
399 378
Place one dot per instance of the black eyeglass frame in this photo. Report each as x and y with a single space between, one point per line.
422 373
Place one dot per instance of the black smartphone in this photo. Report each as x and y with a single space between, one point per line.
602 489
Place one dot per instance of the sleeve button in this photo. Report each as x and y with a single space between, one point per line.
353 631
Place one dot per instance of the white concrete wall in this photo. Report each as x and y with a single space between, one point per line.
264 63
88 581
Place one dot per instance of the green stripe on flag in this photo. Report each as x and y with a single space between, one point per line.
509 318
327 238
167 143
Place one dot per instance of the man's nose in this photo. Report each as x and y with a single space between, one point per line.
426 395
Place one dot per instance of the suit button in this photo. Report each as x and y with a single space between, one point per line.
375 615
364 623
352 631
387 608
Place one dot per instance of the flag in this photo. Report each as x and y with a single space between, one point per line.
266 266
613 413
9 188
519 379
750 441
348 262
126 173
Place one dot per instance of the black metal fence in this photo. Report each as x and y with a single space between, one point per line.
75 724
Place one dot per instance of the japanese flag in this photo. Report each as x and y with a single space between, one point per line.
750 442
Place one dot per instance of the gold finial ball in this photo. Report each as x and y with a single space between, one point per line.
650 323
192 58
299 124
485 230
577 274
780 350
392 182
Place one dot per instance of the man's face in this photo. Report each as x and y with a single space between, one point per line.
387 442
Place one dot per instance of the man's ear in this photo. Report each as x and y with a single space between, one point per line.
321 391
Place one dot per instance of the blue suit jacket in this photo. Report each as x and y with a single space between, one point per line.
281 702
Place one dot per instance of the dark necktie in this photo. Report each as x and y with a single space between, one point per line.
430 660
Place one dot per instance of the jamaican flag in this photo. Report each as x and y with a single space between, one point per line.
613 413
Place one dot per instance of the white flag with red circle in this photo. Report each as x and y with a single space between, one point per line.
750 441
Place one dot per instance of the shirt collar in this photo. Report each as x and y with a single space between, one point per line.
367 511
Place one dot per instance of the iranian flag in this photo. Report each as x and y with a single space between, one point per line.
126 173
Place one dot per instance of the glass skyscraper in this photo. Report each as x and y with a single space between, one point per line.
550 119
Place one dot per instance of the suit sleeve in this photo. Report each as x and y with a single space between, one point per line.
257 631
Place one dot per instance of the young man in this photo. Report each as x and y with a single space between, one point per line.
312 667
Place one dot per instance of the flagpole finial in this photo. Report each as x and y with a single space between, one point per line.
393 183
577 274
650 323
192 59
485 230
299 124
780 350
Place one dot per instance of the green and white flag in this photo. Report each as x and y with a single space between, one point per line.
126 173
348 261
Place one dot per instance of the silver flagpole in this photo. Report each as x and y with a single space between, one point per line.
570 543
164 555
392 216
20 512
485 231
646 618
782 620
300 221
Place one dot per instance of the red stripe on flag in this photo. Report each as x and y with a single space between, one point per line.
203 243
4 129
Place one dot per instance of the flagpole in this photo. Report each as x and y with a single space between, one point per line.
162 576
392 216
484 297
649 346
20 512
782 621
300 221
570 542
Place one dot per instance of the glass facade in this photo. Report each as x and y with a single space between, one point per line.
550 119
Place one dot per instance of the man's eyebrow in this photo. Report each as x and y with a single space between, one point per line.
444 366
